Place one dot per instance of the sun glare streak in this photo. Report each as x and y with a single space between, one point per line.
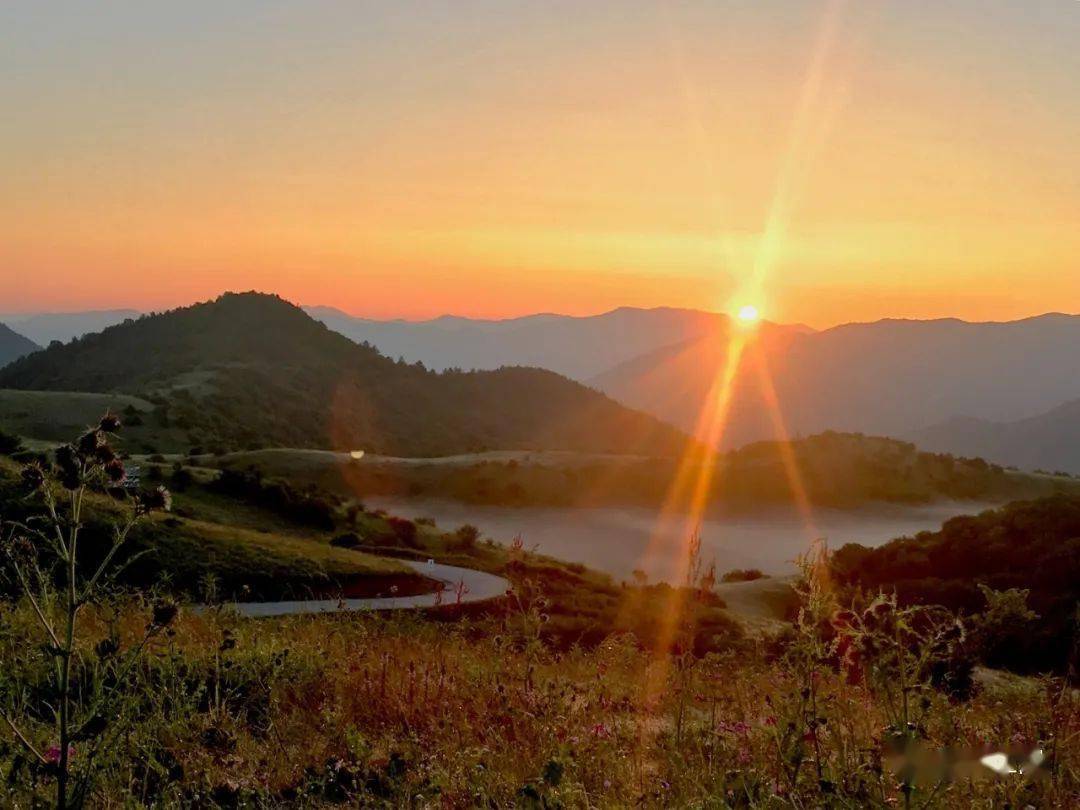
685 505
783 441
686 502
807 131
699 136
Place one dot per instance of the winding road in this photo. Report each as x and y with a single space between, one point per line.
478 587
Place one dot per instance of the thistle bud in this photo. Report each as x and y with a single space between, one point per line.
110 423
70 467
115 471
153 500
33 477
89 442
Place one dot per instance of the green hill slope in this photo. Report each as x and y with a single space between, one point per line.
1033 545
251 370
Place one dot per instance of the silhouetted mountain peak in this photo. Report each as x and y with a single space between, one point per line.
251 369
13 345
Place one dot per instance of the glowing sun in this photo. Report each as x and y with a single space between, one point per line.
749 315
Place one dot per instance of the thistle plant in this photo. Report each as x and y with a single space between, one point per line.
50 568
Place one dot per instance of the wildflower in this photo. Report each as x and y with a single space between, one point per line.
601 731
52 754
770 721
104 454
154 499
110 423
33 477
21 548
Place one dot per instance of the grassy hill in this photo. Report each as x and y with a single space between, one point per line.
837 470
54 416
267 559
251 370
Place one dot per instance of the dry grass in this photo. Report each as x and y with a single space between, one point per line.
406 712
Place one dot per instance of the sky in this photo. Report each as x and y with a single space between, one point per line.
827 160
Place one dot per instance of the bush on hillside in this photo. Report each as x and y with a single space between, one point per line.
10 444
742 575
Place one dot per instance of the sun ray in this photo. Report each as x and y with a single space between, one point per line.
688 496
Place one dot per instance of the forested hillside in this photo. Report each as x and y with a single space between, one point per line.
251 370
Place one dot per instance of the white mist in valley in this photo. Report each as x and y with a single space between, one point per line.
620 540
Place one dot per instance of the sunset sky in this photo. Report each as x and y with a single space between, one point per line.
826 161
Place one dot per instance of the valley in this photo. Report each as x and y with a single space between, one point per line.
620 540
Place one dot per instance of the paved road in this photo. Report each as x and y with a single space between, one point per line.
479 587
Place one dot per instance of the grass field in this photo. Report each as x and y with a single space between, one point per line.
45 418
749 481
244 550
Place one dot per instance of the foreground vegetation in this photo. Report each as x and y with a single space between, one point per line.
406 711
1018 566
572 691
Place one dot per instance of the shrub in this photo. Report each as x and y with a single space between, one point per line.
466 537
404 531
9 444
742 575
347 540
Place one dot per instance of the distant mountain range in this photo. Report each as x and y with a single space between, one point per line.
997 390
251 370
45 327
578 347
892 377
1049 441
13 345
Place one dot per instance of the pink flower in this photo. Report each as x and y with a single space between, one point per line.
770 720
52 754
600 730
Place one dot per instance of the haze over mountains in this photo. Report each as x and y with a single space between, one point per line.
892 377
1049 441
997 390
45 327
13 345
579 347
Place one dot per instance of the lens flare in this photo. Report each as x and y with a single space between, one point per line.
749 314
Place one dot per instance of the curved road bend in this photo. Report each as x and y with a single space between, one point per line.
480 587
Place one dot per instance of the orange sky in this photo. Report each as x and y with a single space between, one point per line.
832 161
